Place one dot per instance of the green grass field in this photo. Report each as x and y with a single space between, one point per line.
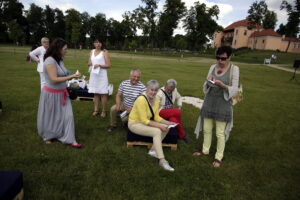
261 157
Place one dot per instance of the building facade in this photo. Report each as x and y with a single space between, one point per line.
238 35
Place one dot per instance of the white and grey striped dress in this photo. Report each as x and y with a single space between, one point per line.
55 120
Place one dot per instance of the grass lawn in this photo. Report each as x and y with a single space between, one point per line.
261 157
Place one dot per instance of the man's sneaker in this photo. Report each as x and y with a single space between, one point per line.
186 140
152 153
165 164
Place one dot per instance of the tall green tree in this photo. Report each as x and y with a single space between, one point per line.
256 13
292 26
86 28
59 23
145 18
73 26
99 26
200 24
282 29
15 32
36 25
174 10
269 20
11 10
49 20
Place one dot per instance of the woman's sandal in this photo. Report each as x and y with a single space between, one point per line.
103 114
199 153
217 163
95 113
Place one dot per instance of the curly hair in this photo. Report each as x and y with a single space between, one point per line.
55 48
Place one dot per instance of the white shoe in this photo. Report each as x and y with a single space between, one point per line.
165 164
152 153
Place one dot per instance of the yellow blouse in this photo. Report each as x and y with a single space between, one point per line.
141 112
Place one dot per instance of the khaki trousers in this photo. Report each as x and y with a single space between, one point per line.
207 133
114 113
155 133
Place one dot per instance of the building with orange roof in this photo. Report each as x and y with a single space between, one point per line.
238 35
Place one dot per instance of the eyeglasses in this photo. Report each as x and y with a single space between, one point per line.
221 58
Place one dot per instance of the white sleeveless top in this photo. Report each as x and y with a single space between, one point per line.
98 83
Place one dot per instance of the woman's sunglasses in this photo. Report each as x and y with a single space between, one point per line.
221 58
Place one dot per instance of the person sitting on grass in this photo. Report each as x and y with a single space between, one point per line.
144 120
167 96
128 91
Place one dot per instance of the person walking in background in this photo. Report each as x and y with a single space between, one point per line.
144 120
167 96
128 91
219 87
99 62
37 55
55 116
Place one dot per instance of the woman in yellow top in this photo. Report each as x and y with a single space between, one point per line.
144 120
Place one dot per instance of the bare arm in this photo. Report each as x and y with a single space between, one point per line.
89 61
34 55
52 73
118 101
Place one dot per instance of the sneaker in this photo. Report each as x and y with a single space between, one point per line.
165 164
152 153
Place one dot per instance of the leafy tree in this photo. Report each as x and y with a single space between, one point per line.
173 11
129 25
59 23
256 12
269 20
49 19
292 26
200 24
86 27
10 10
282 29
145 18
99 26
73 26
180 42
116 33
35 19
15 32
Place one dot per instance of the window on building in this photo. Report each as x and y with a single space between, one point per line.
263 41
234 42
236 32
245 32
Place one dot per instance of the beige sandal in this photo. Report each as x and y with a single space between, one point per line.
217 163
103 114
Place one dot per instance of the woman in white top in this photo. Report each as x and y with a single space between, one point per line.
99 62
38 56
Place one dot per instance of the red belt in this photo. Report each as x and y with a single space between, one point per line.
64 91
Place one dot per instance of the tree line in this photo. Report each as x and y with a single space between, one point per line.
78 29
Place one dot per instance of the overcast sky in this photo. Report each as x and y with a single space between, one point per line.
230 10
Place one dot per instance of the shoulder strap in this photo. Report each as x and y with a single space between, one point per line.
167 96
152 118
231 72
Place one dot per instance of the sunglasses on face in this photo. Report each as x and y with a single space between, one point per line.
221 58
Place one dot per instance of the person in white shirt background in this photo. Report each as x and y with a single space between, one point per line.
37 55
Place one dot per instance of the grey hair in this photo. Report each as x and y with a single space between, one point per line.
135 70
44 39
171 83
153 84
